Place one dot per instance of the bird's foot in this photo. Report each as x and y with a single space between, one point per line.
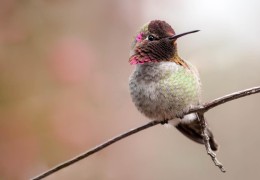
164 122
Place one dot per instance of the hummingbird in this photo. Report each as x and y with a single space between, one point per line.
163 86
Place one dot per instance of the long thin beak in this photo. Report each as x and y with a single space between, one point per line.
182 34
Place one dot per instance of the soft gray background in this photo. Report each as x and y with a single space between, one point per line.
64 88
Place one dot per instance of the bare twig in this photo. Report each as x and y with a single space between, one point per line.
216 102
96 149
200 109
206 142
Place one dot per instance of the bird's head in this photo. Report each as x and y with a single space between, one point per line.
154 42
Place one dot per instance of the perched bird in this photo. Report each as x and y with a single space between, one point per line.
163 86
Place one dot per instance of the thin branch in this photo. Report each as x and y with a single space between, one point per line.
96 149
216 102
213 156
200 109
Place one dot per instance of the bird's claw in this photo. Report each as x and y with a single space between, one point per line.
164 122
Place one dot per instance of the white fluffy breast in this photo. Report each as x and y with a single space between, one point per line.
162 90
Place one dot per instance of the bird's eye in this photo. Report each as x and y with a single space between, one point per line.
151 37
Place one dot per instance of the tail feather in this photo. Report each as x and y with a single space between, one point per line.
191 128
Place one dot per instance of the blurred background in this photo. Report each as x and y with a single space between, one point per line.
64 88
